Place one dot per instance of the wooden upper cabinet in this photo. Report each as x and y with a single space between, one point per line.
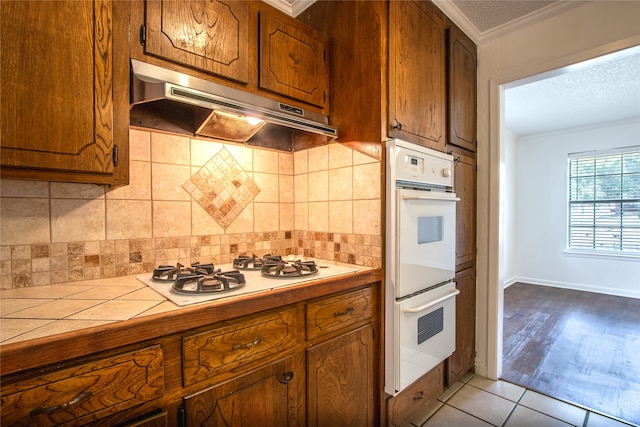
417 73
208 35
462 90
65 93
357 31
292 60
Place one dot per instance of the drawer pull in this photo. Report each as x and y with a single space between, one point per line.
77 399
419 396
286 377
343 313
247 345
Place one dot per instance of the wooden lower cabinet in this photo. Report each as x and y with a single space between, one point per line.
311 362
463 359
264 397
341 380
401 407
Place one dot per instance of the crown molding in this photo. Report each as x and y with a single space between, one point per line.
452 11
290 7
281 5
459 18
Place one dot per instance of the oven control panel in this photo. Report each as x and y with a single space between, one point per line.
414 163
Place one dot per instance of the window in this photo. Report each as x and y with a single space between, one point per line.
604 201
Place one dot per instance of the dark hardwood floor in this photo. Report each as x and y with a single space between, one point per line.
580 347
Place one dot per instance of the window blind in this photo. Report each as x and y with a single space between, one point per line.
604 201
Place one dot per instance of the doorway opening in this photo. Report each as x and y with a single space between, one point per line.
569 323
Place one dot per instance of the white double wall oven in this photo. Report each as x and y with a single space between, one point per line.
420 262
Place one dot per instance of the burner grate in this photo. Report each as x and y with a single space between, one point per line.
170 273
245 262
209 283
289 269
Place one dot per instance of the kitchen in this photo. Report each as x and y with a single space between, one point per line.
50 203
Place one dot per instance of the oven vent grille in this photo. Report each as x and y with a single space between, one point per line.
430 325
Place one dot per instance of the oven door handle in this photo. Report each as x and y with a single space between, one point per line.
451 294
445 199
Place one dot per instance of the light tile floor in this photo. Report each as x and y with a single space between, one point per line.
478 401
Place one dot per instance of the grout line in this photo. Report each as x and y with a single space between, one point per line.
517 403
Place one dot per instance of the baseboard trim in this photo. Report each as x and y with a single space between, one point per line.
574 286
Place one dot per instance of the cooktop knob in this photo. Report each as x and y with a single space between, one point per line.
446 172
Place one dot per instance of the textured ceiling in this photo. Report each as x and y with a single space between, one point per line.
603 90
489 14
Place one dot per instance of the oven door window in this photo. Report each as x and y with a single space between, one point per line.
430 229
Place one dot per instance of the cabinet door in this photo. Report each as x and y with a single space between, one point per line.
64 90
265 397
341 380
463 359
417 104
292 61
212 36
464 176
462 90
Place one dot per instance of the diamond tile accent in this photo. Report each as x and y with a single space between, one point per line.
222 188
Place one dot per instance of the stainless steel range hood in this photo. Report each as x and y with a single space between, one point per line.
167 100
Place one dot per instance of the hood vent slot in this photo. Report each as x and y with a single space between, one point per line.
167 100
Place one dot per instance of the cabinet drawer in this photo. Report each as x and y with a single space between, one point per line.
85 393
338 312
216 351
414 397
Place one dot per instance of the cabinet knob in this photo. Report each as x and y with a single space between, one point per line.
286 377
419 396
398 125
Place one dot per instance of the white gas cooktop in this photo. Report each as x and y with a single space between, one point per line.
255 282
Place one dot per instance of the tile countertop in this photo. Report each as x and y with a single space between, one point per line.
43 311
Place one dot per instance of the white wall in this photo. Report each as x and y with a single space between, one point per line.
540 214
509 187
592 29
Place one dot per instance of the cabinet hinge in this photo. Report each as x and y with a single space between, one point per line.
114 154
143 35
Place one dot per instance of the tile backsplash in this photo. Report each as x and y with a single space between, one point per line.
183 205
